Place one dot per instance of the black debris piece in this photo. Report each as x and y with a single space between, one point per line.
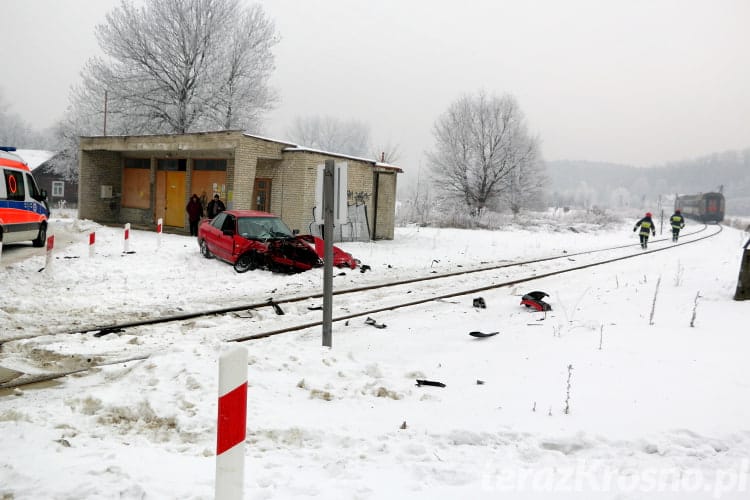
372 322
480 303
276 307
482 335
421 382
107 331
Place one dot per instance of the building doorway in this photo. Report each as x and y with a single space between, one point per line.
170 192
262 194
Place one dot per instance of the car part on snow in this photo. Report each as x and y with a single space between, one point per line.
277 308
479 303
421 382
372 322
482 335
534 301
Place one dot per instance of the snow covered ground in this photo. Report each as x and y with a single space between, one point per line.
657 408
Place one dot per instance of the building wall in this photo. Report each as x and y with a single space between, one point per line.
97 169
44 180
386 214
293 175
243 175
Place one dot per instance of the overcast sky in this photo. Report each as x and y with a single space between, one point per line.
639 82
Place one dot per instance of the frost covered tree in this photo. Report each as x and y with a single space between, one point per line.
327 133
176 66
15 131
483 151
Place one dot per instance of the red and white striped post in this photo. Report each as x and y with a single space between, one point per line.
92 241
126 241
50 246
158 232
231 423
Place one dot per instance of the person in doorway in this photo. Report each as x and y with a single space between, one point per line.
204 201
678 222
647 226
194 210
215 207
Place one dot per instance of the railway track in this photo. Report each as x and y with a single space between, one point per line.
456 284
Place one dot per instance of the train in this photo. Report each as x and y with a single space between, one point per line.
705 207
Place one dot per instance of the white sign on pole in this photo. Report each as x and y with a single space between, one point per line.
340 187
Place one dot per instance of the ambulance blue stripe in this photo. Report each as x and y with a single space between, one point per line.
29 206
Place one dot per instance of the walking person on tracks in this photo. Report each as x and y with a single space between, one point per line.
677 221
647 226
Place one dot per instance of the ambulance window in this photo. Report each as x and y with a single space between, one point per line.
14 185
34 191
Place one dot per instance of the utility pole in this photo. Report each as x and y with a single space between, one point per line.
328 205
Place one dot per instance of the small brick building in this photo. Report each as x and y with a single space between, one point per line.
139 179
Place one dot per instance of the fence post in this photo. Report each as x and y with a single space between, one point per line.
50 246
158 232
231 424
126 243
92 241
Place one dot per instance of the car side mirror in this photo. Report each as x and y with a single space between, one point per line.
44 194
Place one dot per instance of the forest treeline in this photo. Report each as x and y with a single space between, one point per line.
609 185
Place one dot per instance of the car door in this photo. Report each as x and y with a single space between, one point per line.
224 243
211 232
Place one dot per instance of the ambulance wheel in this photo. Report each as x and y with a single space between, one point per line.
41 238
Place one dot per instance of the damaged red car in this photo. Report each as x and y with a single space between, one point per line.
250 239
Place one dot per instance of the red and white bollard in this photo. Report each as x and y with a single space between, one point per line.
92 241
126 242
158 232
231 423
50 246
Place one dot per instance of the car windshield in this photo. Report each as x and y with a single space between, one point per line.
263 228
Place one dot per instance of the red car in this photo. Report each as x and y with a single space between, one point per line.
249 239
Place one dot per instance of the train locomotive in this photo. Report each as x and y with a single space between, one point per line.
705 207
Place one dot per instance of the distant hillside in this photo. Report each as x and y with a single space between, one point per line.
582 183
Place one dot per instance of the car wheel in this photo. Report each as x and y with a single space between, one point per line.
204 250
246 262
41 238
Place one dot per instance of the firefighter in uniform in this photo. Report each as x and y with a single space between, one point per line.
647 226
678 222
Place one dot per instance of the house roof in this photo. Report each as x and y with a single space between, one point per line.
289 147
34 157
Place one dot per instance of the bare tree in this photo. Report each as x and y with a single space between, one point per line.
331 134
175 66
388 153
481 142
524 187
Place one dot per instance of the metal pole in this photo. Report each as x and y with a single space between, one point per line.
105 113
328 253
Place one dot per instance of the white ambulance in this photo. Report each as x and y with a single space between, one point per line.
23 206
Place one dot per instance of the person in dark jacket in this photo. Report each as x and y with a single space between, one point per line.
677 222
215 207
647 226
194 210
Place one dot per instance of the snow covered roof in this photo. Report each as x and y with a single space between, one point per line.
34 157
340 155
